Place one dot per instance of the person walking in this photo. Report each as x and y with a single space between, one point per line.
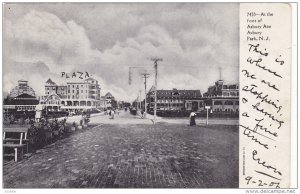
142 113
192 118
112 114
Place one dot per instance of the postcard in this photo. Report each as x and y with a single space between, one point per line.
147 95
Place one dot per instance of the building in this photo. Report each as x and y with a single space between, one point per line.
52 102
108 101
176 100
223 97
222 89
20 98
73 95
52 88
21 88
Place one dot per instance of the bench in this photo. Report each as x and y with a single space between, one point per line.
17 143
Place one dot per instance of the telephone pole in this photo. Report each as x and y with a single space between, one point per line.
140 98
155 89
145 75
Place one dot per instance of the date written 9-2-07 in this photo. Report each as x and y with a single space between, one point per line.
261 183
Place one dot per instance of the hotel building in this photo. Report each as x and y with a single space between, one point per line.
176 99
72 96
223 97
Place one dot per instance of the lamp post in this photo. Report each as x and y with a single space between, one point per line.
207 108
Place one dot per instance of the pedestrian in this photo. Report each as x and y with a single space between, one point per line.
112 114
192 118
142 113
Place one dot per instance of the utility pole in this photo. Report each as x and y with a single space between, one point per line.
145 75
140 95
137 103
155 89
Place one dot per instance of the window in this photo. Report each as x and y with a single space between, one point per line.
81 91
232 87
237 102
73 91
228 103
73 97
232 94
217 103
225 94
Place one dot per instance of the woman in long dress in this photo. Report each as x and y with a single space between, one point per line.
192 119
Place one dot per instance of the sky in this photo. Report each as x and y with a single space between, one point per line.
195 40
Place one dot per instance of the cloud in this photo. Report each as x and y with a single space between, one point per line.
41 36
193 40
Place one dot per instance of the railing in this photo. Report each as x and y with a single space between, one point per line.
186 113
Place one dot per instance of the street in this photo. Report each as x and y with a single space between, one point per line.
130 152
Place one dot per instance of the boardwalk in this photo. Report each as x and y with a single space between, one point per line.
134 154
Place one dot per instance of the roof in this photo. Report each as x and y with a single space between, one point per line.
152 89
53 94
21 89
25 96
178 93
23 99
49 81
22 80
77 83
108 94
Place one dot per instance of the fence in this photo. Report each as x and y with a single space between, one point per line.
185 113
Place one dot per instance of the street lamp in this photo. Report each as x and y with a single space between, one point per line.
207 108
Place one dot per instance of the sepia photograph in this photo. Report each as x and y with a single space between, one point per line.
120 95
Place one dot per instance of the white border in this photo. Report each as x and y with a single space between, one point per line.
294 121
295 135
